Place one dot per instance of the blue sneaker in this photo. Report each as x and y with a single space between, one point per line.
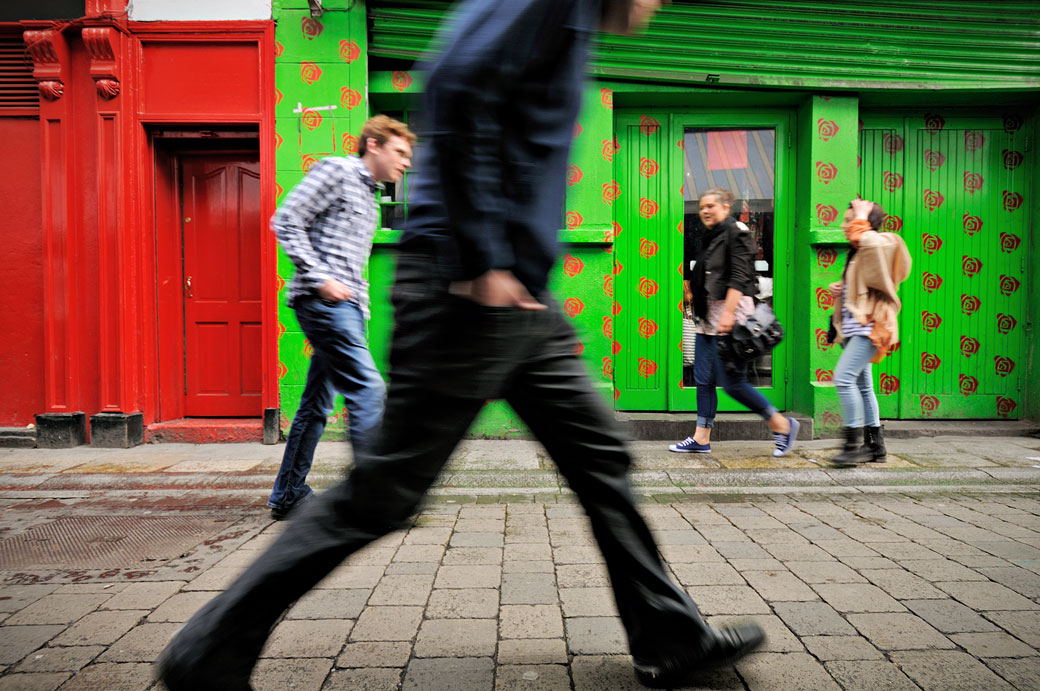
688 445
785 443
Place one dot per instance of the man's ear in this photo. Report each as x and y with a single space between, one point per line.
615 16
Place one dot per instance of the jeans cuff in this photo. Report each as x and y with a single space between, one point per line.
769 412
705 422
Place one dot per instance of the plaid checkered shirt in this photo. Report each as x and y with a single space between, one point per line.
325 226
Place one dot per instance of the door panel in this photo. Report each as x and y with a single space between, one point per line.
960 204
643 268
222 306
662 160
882 179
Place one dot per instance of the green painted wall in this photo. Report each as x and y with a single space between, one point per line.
317 64
321 74
842 144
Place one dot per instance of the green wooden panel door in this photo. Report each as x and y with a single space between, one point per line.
645 231
957 186
662 161
882 179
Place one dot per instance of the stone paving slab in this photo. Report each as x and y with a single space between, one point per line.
910 588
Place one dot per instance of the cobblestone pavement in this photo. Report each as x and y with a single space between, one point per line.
895 591
923 573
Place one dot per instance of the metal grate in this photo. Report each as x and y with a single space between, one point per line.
94 542
18 89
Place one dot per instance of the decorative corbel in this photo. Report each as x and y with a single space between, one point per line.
100 44
49 54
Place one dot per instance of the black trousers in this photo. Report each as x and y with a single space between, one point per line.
448 357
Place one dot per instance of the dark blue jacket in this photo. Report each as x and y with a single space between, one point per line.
501 103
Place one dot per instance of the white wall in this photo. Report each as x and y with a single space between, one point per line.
213 10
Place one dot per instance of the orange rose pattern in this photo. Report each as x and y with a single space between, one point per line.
972 224
934 159
930 321
968 384
825 172
929 404
970 266
1003 365
349 51
647 208
572 266
826 214
970 304
400 81
350 98
572 307
311 119
312 28
972 182
309 72
825 129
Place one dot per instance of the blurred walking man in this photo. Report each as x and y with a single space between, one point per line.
325 226
474 321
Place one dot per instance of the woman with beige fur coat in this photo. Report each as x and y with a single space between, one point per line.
865 319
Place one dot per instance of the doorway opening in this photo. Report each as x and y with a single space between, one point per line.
209 237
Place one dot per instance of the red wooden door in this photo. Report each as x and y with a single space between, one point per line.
222 316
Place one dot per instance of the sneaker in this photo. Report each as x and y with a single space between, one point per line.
280 513
785 443
726 646
688 445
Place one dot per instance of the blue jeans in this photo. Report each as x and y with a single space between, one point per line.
855 383
341 363
708 371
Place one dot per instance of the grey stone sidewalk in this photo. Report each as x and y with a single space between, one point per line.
900 590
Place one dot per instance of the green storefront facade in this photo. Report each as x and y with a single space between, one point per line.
930 109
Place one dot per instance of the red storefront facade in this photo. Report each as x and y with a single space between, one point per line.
126 307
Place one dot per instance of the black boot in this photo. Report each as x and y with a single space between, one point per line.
874 441
852 453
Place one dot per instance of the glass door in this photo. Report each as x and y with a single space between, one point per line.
747 155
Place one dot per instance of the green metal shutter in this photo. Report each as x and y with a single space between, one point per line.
885 43
957 191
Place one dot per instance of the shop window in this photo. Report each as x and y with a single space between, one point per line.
393 200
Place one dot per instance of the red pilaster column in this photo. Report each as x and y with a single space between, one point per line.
119 243
61 225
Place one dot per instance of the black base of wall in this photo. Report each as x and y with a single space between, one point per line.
116 430
18 437
61 430
271 432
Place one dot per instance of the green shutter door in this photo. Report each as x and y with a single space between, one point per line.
881 166
642 274
958 187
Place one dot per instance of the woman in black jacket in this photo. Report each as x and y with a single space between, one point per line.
720 289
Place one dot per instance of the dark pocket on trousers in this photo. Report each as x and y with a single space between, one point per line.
476 349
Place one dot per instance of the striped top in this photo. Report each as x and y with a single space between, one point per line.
326 225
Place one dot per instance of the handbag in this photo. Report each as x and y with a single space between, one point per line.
757 336
689 337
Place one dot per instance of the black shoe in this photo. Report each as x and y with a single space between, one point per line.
181 669
874 442
728 645
853 453
280 513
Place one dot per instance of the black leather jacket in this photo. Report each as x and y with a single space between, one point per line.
721 265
